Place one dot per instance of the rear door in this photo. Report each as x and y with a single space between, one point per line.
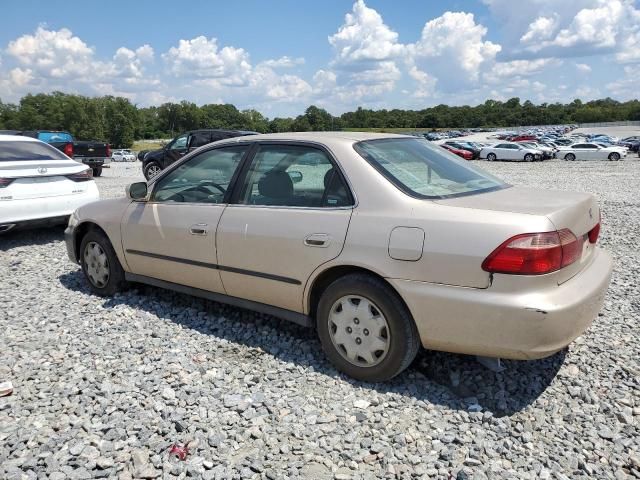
172 235
289 215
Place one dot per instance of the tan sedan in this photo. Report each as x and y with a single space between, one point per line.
383 243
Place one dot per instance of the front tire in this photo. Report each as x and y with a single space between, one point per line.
528 157
492 157
365 329
614 157
100 264
151 169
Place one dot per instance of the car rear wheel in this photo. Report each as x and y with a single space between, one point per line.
100 264
614 157
365 329
528 157
151 169
491 157
97 171
570 156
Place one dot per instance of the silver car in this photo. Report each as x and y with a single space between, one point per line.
511 151
382 243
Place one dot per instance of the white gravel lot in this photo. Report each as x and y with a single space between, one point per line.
104 387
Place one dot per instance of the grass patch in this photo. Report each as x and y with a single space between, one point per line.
148 145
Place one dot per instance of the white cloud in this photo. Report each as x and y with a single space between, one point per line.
541 28
284 62
583 67
502 70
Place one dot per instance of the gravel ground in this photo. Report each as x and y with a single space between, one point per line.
104 387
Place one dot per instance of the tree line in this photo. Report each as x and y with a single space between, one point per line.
118 121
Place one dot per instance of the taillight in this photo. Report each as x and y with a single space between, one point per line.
68 150
82 176
5 182
535 253
108 154
594 233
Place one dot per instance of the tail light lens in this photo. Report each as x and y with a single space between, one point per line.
594 233
81 176
5 182
535 253
68 150
108 153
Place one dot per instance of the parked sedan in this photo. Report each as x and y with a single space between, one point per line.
466 154
475 151
591 151
511 151
382 243
122 156
40 185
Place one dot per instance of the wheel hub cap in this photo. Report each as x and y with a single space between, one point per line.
359 331
97 264
153 171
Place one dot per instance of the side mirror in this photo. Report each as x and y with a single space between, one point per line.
137 191
296 176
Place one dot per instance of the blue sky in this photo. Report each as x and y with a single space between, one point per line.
281 56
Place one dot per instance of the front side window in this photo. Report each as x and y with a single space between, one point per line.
179 143
294 176
204 178
419 169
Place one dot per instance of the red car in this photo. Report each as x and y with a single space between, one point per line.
523 138
467 155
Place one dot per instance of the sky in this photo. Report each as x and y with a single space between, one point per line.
281 56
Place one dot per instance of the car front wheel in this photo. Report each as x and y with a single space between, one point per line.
528 157
100 264
365 329
151 169
614 157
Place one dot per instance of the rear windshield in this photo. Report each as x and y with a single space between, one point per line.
55 137
16 151
423 170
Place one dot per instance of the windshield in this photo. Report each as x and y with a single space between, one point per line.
55 137
33 150
422 170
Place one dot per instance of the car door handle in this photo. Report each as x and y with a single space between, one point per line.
199 229
317 240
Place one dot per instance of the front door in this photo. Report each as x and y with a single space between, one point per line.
176 150
171 236
290 216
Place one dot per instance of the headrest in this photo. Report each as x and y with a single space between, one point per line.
276 184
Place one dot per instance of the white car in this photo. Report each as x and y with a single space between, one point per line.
590 151
40 185
122 156
547 152
511 151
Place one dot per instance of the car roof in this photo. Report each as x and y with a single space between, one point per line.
17 138
320 137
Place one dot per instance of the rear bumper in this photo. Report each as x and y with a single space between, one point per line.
526 325
93 162
34 210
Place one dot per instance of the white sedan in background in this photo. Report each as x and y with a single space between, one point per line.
590 151
123 156
40 185
511 151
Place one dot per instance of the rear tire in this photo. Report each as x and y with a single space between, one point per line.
365 329
570 157
492 157
97 171
100 264
151 169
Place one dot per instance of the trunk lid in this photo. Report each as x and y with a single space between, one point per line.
579 212
40 178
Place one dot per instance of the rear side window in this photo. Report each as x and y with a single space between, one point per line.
18 151
425 171
294 176
199 139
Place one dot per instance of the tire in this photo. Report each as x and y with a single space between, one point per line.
528 157
570 157
398 336
151 169
97 171
95 247
491 157
614 157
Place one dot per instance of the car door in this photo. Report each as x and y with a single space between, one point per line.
593 152
176 150
171 236
289 215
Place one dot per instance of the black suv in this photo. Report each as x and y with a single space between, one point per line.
154 161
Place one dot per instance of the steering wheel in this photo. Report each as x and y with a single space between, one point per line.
211 183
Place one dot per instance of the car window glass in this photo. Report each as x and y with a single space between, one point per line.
179 143
199 139
13 151
295 176
204 178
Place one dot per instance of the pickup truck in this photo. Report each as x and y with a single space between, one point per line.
94 154
154 161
